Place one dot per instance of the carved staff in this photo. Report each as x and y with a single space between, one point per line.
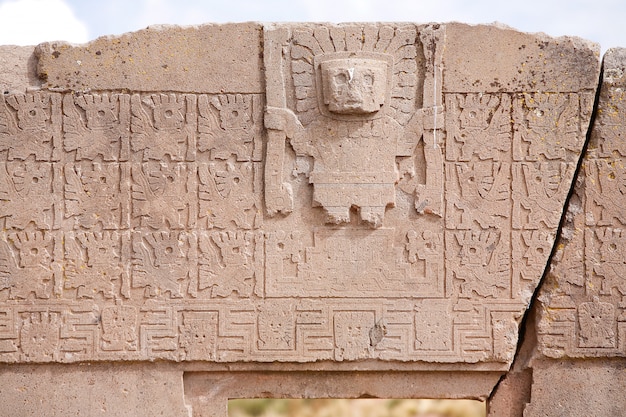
278 194
429 197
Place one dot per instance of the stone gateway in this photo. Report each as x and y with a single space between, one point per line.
305 210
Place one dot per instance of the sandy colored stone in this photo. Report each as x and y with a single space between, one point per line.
579 312
582 305
577 389
358 198
91 390
199 59
511 395
497 58
18 69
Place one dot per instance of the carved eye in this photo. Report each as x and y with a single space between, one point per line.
341 78
539 113
472 114
101 113
612 247
32 113
169 250
169 113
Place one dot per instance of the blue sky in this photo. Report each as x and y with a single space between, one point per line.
33 21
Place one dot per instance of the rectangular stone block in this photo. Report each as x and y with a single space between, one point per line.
194 59
301 197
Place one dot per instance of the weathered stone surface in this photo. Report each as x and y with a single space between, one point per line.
515 61
199 59
414 220
582 305
572 357
18 69
92 390
367 198
578 389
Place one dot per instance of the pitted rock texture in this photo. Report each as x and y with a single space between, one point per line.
375 201
582 305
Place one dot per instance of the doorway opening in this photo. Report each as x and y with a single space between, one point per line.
268 407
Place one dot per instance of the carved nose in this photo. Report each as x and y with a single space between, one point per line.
354 94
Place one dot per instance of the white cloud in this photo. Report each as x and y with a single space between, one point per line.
29 22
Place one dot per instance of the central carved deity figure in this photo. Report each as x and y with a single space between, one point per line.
354 144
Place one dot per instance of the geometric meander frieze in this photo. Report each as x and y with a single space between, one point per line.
356 210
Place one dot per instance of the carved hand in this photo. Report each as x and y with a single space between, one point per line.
283 119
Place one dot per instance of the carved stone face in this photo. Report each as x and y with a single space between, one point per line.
354 86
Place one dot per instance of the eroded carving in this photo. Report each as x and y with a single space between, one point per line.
96 264
21 184
546 126
119 328
30 125
97 194
227 195
539 191
230 124
97 125
479 126
164 195
483 266
39 336
198 335
164 125
29 264
161 262
346 120
226 263
479 194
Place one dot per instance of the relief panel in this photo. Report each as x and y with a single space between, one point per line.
30 265
230 125
97 195
164 195
30 126
482 267
478 126
228 263
479 195
97 126
547 126
359 209
539 192
164 126
162 263
229 195
96 264
21 183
